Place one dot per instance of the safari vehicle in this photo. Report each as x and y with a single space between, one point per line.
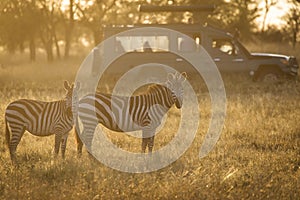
229 55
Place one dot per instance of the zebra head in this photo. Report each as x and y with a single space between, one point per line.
174 83
71 96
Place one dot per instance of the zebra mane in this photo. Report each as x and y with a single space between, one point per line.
154 88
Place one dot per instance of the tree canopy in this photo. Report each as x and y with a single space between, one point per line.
57 25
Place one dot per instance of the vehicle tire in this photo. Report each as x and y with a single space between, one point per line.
269 75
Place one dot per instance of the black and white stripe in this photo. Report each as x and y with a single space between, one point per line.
124 114
40 119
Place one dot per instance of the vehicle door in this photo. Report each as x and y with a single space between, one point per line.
226 54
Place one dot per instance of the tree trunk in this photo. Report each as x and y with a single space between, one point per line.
49 51
32 49
67 42
294 39
21 46
69 30
97 33
264 21
56 46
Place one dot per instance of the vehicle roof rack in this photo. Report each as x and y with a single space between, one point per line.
173 8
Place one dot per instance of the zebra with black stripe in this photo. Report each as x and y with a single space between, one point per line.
124 114
41 119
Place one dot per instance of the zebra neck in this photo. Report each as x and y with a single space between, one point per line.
66 112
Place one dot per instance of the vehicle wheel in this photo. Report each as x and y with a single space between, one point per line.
270 78
269 75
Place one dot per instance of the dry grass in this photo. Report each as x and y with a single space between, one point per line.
257 156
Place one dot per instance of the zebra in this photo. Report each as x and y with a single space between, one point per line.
124 114
41 119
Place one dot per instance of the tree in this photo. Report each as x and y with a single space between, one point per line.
12 27
268 5
20 22
48 31
293 22
93 16
238 15
204 17
69 26
32 17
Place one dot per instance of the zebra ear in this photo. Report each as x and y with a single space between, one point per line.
67 85
183 76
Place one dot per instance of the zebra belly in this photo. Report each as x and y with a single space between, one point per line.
122 121
91 122
121 128
40 129
45 127
46 131
40 133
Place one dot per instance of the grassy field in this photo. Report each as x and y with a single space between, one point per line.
256 157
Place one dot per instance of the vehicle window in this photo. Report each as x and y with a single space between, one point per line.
142 43
185 43
224 45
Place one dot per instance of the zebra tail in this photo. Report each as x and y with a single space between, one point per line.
7 133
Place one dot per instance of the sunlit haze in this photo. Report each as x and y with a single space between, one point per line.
275 14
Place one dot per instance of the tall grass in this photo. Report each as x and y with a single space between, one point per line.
256 157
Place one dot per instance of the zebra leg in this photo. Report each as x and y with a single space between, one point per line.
144 141
144 144
88 133
79 143
64 145
58 138
151 143
86 137
147 140
16 135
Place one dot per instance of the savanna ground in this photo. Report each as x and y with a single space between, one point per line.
256 157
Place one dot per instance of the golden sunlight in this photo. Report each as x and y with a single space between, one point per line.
275 14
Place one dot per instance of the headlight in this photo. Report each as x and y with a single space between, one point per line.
284 61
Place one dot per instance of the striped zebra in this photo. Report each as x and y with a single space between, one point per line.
41 119
124 114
